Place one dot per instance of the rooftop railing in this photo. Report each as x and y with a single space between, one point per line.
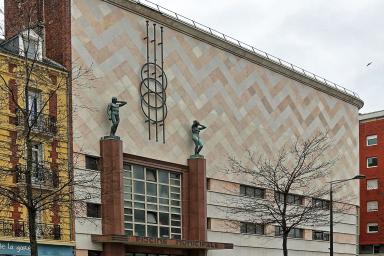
244 46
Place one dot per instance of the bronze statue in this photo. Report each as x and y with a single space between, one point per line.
113 114
196 128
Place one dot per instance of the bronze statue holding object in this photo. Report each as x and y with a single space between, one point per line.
113 114
196 128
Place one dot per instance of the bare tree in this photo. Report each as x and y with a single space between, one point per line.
36 91
294 181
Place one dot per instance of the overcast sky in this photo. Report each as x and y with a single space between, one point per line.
333 39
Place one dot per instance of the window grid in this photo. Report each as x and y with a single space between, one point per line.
320 235
320 203
152 202
251 228
252 191
291 198
293 233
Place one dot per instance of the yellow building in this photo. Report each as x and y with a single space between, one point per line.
34 149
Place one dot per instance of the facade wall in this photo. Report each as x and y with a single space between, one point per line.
54 155
244 105
371 127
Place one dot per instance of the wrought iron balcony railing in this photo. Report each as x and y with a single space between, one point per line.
41 175
41 123
20 229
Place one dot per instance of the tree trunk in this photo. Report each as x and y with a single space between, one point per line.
32 231
31 207
285 248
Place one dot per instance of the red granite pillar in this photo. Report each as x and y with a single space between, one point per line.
197 199
112 200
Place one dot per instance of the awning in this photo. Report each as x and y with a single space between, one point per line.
160 242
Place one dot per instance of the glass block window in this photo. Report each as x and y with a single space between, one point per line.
372 184
372 206
152 202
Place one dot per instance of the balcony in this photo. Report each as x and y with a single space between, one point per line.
20 229
42 123
42 176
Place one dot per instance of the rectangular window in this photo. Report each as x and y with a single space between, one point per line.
152 202
320 235
372 228
293 233
91 162
34 104
291 198
372 184
251 228
94 253
320 203
252 191
93 210
371 140
372 206
372 162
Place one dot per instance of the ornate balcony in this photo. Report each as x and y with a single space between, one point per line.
20 229
41 123
41 175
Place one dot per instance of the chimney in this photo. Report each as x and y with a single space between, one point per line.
53 17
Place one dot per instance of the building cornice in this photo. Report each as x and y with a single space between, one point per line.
185 28
376 115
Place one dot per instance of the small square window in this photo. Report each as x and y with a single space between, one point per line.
372 162
91 162
372 206
93 210
371 140
372 228
372 184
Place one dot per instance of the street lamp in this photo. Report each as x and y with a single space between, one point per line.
357 177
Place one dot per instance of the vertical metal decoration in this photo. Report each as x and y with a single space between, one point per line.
154 84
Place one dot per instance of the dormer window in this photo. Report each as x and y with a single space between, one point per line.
31 45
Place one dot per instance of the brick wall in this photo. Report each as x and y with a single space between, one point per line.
367 128
54 15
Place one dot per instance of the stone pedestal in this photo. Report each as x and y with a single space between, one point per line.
197 182
111 178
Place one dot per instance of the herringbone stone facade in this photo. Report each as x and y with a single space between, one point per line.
245 105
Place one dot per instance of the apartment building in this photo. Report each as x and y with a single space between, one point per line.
371 198
34 148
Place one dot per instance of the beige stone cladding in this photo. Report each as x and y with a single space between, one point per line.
244 105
